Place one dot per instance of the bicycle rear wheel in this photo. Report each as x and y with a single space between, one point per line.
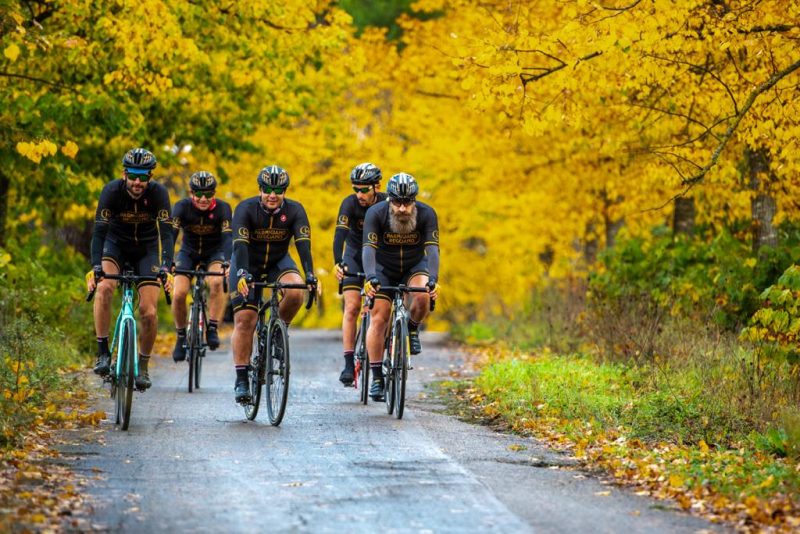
124 389
361 359
255 373
277 365
400 370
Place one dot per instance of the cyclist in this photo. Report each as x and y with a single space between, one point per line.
401 246
347 244
263 227
132 225
206 223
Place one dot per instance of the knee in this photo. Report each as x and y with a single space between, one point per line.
105 291
180 295
148 314
351 312
294 297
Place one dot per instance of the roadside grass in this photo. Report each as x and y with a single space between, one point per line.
666 430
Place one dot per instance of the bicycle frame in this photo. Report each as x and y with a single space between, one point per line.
126 314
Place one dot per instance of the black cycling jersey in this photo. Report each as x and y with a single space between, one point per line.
349 235
133 221
395 251
261 237
203 231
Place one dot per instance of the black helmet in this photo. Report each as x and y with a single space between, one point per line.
273 176
202 181
365 174
402 186
139 159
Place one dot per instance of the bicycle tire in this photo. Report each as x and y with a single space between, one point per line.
401 370
191 342
388 372
126 377
255 372
278 369
201 351
362 359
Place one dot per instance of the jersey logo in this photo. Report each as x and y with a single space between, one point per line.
305 231
163 215
244 232
105 214
226 225
435 235
176 223
154 268
343 219
372 237
271 234
283 218
393 238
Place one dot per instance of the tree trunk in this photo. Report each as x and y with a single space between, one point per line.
762 207
590 245
612 228
5 185
683 216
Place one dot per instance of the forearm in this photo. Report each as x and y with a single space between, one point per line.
339 237
227 245
240 258
368 259
98 240
304 251
167 236
432 251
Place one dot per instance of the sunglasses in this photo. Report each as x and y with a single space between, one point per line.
277 190
362 189
144 178
204 194
402 201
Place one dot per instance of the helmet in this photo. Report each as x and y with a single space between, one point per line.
139 161
402 186
202 181
273 176
365 174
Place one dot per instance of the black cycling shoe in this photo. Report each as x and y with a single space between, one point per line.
212 338
413 341
347 376
142 381
376 390
179 352
103 364
241 391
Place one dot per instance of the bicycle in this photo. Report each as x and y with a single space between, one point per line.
195 334
397 358
269 359
125 345
360 358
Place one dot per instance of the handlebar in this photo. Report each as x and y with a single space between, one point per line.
130 278
358 275
402 288
278 285
191 272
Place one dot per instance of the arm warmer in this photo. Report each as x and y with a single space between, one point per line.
339 237
304 250
432 251
369 261
98 240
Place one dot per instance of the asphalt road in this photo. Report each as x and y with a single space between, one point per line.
192 463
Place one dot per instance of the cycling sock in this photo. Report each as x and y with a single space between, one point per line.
241 372
143 360
102 345
213 323
413 325
377 369
348 358
181 332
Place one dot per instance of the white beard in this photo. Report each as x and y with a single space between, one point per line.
403 226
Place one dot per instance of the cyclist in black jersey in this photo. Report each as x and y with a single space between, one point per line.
401 246
207 242
347 244
263 227
132 225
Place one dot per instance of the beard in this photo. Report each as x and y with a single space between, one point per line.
403 223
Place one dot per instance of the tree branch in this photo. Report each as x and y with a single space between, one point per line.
38 80
526 78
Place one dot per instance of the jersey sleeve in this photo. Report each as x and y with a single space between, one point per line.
164 224
227 232
102 218
301 229
341 231
177 219
241 238
432 229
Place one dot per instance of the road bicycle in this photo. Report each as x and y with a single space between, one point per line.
397 356
125 346
360 358
195 334
269 359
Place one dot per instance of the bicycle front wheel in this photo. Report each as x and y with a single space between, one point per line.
192 343
255 373
125 377
400 370
361 359
388 371
277 365
201 350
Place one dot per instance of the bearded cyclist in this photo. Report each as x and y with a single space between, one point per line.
401 246
132 226
347 248
263 227
207 241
